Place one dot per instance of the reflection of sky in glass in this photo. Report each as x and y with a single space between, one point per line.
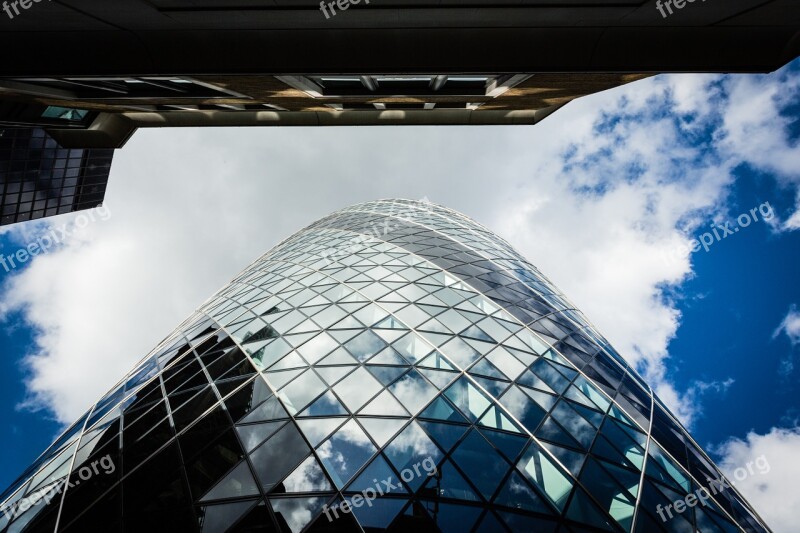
365 345
346 452
317 347
301 391
297 512
357 388
413 391
307 478
410 446
459 351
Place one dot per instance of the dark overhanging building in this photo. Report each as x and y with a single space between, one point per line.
394 367
166 63
91 73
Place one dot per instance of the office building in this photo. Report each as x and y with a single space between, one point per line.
394 366
39 178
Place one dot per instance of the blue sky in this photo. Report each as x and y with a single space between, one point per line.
597 196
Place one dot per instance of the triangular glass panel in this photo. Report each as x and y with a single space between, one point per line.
468 398
286 511
445 435
393 307
518 494
437 339
296 339
482 464
332 374
591 415
494 387
460 352
348 322
282 377
527 522
434 326
582 509
340 356
551 431
544 400
253 435
388 356
436 360
485 368
279 455
365 345
318 347
510 445
373 476
384 405
265 333
449 483
413 391
627 478
572 460
271 353
526 358
439 378
490 522
293 360
432 310
474 332
305 326
351 442
387 374
371 315
357 389
318 429
412 347
390 335
441 409
308 477
413 447
220 517
390 322
380 515
269 410
542 472
325 405
237 484
382 429
343 335
530 379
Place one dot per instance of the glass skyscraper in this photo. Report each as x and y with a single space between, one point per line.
394 366
39 178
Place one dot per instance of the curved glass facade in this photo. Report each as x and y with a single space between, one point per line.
394 366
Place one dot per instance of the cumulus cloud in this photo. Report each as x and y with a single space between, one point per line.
790 326
603 197
771 491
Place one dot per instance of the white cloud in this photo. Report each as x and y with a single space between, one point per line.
773 493
790 326
593 200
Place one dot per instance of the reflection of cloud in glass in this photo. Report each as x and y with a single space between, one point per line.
345 452
413 391
307 478
414 441
297 512
357 388
366 344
